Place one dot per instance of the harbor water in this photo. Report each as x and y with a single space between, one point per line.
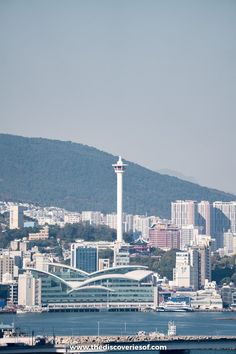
124 323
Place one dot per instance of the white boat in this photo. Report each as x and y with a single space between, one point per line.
31 309
172 306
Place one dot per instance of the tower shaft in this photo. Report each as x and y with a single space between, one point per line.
120 207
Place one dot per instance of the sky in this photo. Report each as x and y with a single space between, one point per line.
151 80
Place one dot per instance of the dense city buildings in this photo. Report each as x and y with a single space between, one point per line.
100 274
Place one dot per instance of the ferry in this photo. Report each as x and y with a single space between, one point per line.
171 306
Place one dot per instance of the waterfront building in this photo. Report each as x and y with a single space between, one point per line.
65 287
186 271
227 293
207 299
41 235
233 305
16 217
29 290
12 293
164 236
84 257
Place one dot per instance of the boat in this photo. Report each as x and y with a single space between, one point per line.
31 309
172 306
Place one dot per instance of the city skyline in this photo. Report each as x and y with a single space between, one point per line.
163 71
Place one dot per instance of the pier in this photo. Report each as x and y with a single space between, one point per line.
120 344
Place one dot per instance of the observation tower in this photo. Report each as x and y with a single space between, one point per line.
119 169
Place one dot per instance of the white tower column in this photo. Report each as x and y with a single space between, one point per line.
119 168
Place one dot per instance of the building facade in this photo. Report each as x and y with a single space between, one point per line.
120 287
164 236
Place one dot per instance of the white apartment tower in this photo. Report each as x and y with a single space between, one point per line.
16 217
186 271
183 212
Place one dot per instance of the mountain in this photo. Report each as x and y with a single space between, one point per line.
79 177
166 171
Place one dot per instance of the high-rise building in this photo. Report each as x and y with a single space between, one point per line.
141 224
41 261
29 290
84 257
6 266
188 236
230 243
223 219
111 220
204 217
204 264
186 271
184 212
16 217
164 236
189 212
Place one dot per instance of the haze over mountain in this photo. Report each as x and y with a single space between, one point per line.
79 177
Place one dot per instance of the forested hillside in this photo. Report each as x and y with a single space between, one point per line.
79 177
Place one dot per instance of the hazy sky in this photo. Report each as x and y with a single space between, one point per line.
154 81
